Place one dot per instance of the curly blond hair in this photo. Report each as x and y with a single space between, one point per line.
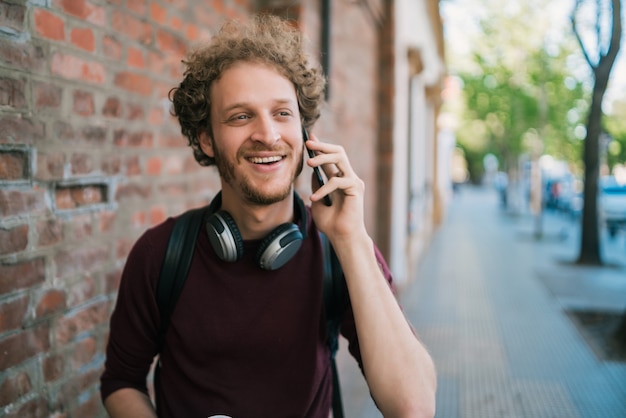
266 39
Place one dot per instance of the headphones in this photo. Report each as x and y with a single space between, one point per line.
276 248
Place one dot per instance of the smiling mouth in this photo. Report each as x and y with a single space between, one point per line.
265 160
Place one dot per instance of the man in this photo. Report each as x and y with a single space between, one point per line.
245 339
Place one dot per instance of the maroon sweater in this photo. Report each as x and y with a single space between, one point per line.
242 341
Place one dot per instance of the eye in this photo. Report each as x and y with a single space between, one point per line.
283 113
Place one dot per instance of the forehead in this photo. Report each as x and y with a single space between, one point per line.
251 83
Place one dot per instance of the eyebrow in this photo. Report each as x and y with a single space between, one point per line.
246 104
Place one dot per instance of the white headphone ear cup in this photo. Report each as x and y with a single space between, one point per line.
279 246
224 236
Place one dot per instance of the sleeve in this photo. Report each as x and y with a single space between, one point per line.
134 323
348 325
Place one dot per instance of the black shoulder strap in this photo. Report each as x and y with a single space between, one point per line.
335 303
176 265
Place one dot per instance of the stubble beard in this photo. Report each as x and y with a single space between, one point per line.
252 195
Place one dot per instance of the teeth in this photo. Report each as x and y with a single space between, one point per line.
265 160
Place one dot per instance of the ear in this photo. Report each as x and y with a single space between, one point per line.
206 144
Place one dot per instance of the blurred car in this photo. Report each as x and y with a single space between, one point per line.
571 199
612 206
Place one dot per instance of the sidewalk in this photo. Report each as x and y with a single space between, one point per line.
490 304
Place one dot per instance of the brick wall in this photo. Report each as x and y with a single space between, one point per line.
90 158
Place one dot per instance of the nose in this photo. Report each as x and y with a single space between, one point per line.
266 131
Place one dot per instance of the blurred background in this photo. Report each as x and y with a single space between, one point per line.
491 137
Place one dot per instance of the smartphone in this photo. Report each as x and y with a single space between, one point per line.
316 170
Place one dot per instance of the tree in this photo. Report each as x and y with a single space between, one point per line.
518 87
600 53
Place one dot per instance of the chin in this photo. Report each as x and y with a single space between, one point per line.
263 196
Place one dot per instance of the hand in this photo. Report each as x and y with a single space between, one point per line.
345 216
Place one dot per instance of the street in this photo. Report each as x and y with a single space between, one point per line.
491 303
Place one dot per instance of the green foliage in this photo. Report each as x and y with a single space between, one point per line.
520 93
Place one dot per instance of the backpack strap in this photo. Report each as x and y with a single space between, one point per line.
176 265
335 304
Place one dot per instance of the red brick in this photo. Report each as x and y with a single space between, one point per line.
81 163
158 13
84 10
17 129
21 346
13 240
22 55
167 42
51 301
133 190
138 219
155 116
176 23
112 48
87 195
83 38
133 82
49 25
157 215
132 166
47 95
50 232
68 327
12 16
13 165
63 199
107 221
14 387
77 196
137 6
94 135
123 138
135 58
12 93
12 314
50 166
71 67
132 27
83 103
134 112
14 202
154 166
26 274
52 367
112 108
112 165
192 32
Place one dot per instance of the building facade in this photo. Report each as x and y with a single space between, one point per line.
90 157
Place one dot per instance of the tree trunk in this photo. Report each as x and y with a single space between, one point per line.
590 236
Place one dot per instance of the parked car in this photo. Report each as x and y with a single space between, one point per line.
612 206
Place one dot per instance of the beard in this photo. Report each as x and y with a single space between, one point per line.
252 194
